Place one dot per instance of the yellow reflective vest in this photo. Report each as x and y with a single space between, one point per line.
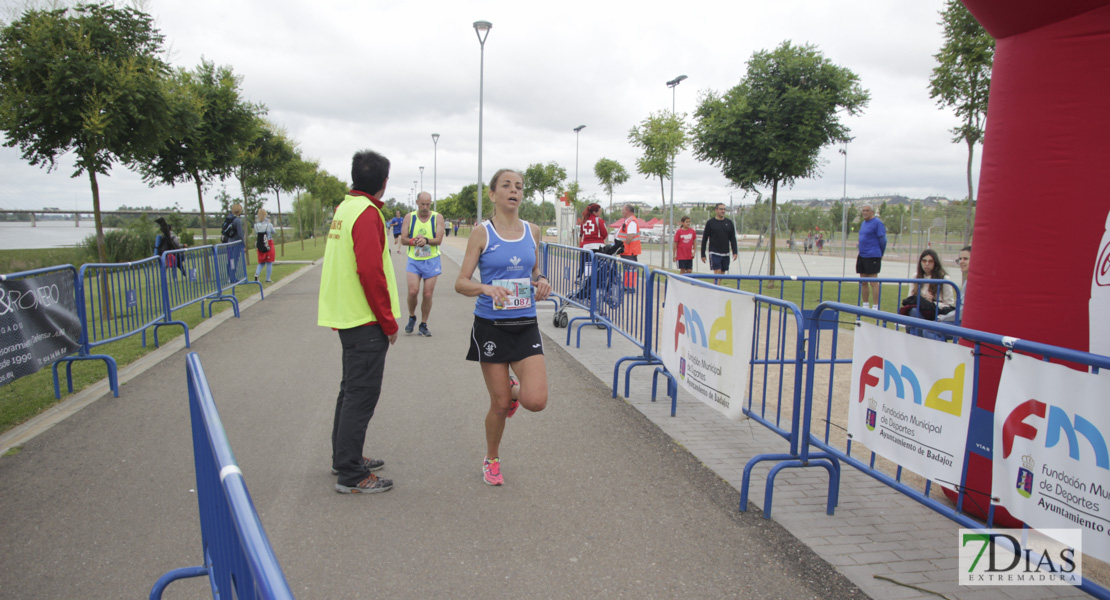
342 303
428 230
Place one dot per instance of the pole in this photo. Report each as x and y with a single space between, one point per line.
479 27
666 242
844 214
422 179
435 171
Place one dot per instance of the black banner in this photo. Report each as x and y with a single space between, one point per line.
38 323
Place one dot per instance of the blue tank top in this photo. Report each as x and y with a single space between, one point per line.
507 263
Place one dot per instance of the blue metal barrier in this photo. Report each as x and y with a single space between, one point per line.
116 301
621 300
833 445
566 270
238 558
230 262
190 277
777 367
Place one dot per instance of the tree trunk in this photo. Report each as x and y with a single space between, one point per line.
101 250
774 210
203 218
970 190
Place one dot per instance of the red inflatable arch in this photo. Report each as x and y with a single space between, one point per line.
1041 268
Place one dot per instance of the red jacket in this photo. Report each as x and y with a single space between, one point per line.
594 231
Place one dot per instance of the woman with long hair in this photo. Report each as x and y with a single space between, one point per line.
928 299
264 232
505 333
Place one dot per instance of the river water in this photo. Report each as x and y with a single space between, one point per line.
20 235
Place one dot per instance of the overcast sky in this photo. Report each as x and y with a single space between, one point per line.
343 76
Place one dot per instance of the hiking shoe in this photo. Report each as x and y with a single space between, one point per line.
371 485
371 464
516 403
412 323
491 472
424 330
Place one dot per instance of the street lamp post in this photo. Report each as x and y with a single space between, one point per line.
844 213
422 179
577 130
435 170
666 242
482 29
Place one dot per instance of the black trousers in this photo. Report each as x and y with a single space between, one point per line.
364 350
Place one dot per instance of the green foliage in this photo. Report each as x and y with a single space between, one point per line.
308 215
610 174
771 127
540 178
327 188
210 121
466 202
661 136
962 81
133 242
87 80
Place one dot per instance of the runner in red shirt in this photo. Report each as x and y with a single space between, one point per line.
684 240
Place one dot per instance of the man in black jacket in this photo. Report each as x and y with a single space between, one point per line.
720 234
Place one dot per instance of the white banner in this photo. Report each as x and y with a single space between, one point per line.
910 400
706 341
1051 464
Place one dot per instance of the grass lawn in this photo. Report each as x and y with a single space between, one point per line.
26 397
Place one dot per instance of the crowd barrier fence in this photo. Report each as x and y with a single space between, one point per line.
230 261
238 558
189 277
830 443
116 301
569 270
775 379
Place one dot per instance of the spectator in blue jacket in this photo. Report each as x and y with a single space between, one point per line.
872 247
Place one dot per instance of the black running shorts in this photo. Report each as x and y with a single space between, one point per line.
504 341
868 266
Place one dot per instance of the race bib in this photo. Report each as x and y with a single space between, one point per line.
520 293
423 251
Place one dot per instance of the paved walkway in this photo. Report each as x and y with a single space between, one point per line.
603 498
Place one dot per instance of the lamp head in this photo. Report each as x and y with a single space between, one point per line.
676 81
435 138
579 128
482 29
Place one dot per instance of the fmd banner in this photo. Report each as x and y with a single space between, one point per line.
38 323
705 340
910 400
1053 471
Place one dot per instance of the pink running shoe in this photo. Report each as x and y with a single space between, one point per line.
491 471
513 383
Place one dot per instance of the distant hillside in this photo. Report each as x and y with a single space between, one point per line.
891 200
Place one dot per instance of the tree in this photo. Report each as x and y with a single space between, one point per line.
661 135
273 163
962 81
610 174
540 178
769 129
86 80
327 188
211 120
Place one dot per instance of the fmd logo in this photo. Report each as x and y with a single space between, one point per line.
1028 418
903 377
689 323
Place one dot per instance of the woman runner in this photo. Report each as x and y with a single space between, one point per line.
505 332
